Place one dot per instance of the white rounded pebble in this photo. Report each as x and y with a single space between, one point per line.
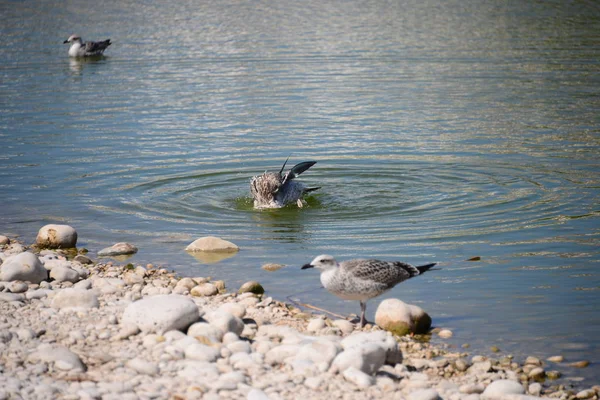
204 289
257 394
207 330
142 366
237 309
535 389
201 352
226 322
445 333
315 325
17 287
162 313
423 394
239 347
358 377
229 381
502 387
345 326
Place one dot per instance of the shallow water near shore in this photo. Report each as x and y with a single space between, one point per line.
442 132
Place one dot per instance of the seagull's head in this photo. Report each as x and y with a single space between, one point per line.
265 187
73 38
322 262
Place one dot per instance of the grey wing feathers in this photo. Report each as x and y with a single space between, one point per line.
297 170
96 47
384 272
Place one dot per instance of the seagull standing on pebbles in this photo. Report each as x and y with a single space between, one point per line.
363 279
274 190
80 48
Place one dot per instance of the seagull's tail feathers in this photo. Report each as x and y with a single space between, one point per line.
311 189
424 268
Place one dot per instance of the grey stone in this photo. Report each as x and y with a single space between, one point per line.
162 313
118 249
23 267
62 357
8 297
64 274
17 287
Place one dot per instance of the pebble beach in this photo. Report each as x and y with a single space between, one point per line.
76 326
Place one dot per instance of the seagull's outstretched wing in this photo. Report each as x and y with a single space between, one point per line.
297 170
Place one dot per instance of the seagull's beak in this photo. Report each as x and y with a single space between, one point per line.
305 266
66 41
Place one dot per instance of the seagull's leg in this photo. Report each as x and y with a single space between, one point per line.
363 310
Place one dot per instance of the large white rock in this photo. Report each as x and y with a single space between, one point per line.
393 353
502 387
118 249
206 330
62 357
400 318
56 236
162 313
23 267
72 298
212 244
368 358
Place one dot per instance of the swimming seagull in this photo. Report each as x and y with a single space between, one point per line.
363 279
80 48
274 190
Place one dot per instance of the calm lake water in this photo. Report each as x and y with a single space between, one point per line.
443 131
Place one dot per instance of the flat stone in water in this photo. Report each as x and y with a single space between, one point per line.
118 249
212 244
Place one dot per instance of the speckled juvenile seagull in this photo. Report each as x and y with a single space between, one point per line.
80 48
274 190
363 279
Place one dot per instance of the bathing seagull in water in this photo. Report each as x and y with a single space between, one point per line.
363 279
80 48
274 190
